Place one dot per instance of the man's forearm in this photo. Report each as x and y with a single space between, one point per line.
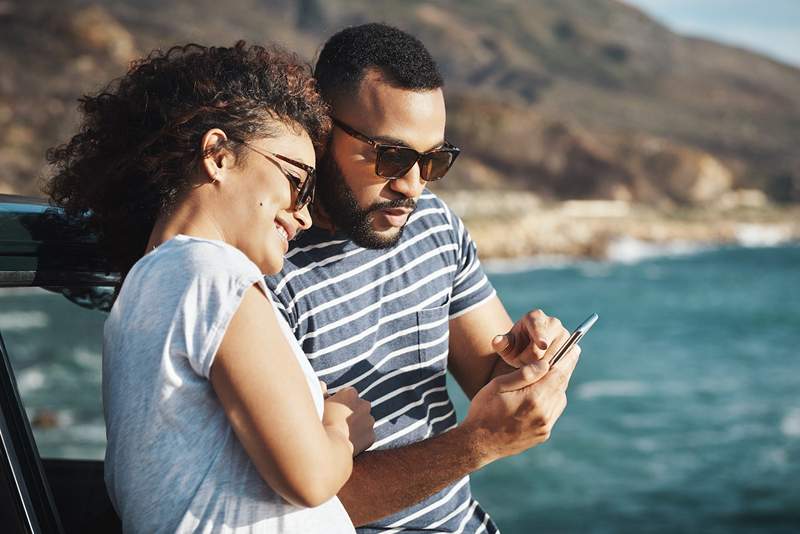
387 481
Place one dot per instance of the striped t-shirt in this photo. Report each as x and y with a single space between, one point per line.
378 320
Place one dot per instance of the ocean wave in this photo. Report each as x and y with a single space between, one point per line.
776 457
640 422
29 380
630 250
21 291
763 235
611 388
647 445
87 358
20 320
89 432
624 250
790 426
527 263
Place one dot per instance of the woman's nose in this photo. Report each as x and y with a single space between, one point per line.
303 217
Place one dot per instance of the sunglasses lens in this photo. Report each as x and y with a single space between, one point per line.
393 162
435 165
306 192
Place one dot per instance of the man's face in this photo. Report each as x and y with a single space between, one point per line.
373 209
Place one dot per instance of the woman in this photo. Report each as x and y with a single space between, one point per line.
196 168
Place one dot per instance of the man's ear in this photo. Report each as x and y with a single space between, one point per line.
216 159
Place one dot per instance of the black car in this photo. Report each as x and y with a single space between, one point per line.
42 248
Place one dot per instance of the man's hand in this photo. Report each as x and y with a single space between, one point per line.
517 410
530 339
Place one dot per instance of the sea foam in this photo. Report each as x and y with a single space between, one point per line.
20 320
790 426
762 235
630 250
611 388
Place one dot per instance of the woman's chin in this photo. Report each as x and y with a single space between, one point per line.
272 265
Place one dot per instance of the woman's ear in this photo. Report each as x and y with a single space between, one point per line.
216 159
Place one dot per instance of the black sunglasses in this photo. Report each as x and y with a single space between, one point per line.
394 161
304 188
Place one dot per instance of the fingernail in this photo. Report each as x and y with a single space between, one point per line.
497 339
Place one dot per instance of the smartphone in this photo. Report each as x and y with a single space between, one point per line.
574 337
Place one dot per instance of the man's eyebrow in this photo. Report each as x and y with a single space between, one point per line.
388 140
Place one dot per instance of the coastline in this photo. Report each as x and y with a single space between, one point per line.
518 228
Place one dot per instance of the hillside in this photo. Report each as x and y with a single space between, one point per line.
564 98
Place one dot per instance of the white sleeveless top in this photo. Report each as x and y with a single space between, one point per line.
173 462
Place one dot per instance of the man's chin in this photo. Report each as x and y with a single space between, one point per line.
377 238
389 236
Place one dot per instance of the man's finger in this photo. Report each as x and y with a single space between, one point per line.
538 332
522 377
562 371
557 343
324 388
503 344
536 348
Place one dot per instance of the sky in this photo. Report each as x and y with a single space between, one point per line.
771 27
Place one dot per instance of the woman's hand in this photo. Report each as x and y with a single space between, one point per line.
348 415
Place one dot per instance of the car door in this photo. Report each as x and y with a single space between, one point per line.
26 504
53 287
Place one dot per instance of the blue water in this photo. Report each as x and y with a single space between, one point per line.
684 411
683 415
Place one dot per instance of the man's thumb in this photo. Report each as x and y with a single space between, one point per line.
522 377
503 343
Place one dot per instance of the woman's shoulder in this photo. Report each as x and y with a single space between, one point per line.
185 262
195 255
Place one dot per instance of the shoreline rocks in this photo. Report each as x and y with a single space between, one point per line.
507 225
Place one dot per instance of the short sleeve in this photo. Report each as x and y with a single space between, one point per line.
281 300
220 280
471 287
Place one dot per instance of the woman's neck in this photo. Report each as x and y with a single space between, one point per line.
189 217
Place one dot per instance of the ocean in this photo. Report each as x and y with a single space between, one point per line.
683 414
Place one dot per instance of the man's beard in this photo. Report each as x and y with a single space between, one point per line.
342 208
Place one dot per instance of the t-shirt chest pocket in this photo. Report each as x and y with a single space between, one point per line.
433 337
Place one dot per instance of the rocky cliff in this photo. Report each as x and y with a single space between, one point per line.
566 99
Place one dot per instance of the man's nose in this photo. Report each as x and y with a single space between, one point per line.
410 184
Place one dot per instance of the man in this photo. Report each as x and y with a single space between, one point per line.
385 293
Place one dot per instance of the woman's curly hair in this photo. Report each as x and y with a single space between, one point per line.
139 142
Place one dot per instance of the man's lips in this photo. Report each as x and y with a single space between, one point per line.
396 216
396 211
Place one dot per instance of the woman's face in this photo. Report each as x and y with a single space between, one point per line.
260 199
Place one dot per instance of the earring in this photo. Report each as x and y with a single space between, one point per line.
215 178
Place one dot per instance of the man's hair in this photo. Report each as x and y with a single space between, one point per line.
401 58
